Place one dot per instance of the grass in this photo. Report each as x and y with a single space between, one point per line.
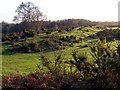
19 63
24 63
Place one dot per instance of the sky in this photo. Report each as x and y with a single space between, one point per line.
94 10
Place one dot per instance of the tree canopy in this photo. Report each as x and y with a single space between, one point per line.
28 12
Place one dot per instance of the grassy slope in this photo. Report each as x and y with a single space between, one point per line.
25 63
19 63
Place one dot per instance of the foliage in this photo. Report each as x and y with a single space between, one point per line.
80 62
15 37
28 12
102 73
52 42
70 39
105 61
109 34
63 25
53 66
39 81
29 47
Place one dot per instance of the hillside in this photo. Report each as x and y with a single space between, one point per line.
84 57
10 27
27 49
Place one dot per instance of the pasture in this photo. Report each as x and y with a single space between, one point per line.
24 63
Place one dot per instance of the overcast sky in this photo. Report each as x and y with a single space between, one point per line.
95 10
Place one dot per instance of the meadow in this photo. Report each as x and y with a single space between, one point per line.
84 57
25 63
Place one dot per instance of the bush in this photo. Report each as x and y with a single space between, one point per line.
83 67
55 66
27 47
5 38
48 32
106 60
29 34
109 34
34 47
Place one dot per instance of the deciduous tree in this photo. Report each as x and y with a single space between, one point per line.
28 12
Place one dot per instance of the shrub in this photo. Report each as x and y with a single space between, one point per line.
34 47
67 38
29 34
73 27
105 60
81 64
27 47
53 66
109 34
71 37
5 38
48 32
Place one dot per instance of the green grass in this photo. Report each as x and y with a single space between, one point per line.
24 63
19 63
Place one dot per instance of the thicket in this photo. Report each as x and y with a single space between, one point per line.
109 34
51 42
15 37
20 41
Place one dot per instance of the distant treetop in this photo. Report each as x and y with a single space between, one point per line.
28 12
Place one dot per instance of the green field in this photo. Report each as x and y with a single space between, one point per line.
24 63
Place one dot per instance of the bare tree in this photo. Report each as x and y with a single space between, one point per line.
28 12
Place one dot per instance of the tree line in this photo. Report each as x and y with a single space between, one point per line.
10 27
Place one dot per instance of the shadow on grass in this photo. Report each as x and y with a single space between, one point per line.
7 52
93 36
11 52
